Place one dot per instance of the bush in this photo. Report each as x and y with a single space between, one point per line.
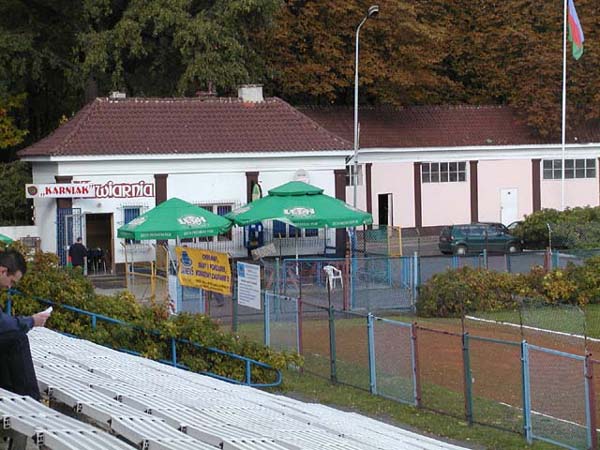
572 228
587 281
465 290
46 279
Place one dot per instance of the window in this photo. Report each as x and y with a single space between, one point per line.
350 179
574 168
444 172
282 229
221 210
130 213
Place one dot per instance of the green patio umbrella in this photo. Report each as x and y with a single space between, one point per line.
173 219
5 239
303 206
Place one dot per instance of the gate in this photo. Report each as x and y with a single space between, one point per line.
69 226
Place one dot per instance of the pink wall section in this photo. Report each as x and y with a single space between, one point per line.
395 179
446 203
578 192
495 175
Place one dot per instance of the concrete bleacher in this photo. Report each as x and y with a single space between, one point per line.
115 401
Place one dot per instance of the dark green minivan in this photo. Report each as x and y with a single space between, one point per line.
474 237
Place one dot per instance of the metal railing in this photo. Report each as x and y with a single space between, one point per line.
249 363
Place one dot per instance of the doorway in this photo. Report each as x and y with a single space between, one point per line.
385 209
509 206
99 241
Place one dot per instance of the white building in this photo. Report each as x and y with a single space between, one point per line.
209 151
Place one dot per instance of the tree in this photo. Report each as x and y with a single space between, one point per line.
37 39
15 209
10 134
311 54
163 47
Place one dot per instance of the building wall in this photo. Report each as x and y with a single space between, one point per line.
395 179
446 203
45 208
578 192
496 175
207 180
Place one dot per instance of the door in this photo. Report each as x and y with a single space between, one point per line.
509 207
99 241
385 209
69 227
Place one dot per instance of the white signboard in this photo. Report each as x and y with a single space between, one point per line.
248 282
110 189
60 190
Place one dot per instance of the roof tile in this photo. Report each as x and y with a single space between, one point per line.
185 125
426 126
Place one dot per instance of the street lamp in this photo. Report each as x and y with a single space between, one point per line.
371 12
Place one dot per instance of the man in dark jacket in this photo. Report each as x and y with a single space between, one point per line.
16 367
78 253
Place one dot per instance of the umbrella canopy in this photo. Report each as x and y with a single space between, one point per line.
174 219
5 239
303 206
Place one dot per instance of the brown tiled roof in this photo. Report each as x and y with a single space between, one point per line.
426 126
185 125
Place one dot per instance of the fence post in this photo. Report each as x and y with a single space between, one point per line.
485 258
590 403
508 261
371 341
332 351
346 288
234 312
467 379
416 278
173 352
415 364
267 319
555 259
526 392
299 325
455 262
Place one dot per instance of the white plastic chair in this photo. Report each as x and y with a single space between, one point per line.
333 274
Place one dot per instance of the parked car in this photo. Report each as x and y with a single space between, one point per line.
474 237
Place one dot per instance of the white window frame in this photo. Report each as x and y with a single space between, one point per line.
575 168
444 172
353 179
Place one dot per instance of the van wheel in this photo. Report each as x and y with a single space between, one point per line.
514 248
460 250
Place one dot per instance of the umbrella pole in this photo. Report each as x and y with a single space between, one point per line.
296 245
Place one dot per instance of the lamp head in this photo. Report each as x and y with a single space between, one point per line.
373 11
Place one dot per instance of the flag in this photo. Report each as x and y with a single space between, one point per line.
575 31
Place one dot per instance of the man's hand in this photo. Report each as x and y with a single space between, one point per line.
40 318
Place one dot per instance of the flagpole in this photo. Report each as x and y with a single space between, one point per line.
564 109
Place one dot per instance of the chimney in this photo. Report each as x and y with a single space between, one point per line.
116 95
251 93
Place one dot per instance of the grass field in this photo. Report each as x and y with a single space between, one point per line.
495 365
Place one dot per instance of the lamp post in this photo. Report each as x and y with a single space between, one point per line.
371 12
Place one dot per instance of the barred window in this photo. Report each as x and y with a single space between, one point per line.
443 172
221 210
282 229
574 168
351 179
130 213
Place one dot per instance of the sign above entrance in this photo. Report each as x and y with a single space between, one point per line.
110 189
61 190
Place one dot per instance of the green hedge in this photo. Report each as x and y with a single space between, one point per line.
574 228
46 279
467 290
